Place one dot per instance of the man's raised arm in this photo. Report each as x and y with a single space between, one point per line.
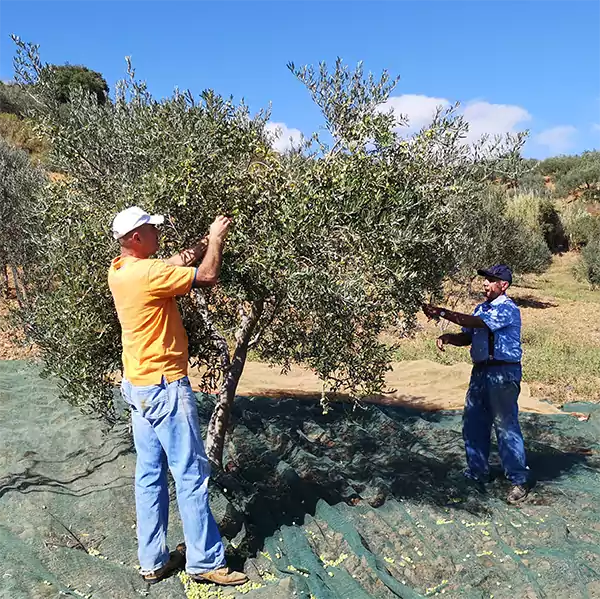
207 274
190 256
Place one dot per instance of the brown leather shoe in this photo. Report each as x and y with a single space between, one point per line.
223 576
176 562
517 493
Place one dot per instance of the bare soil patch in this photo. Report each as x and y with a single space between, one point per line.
12 341
419 384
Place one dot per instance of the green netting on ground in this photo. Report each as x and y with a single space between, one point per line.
347 505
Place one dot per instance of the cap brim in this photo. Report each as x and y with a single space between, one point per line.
156 219
486 273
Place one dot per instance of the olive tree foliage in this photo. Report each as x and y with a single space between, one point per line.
20 183
331 243
583 179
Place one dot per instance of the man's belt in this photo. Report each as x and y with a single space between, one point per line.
492 362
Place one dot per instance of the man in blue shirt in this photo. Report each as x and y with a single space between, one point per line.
494 334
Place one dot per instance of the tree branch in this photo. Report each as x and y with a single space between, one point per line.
254 341
216 337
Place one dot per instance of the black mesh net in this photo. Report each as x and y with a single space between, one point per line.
350 504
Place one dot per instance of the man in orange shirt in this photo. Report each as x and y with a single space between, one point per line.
164 415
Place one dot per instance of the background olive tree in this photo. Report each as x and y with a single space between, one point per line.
582 179
21 183
67 76
331 243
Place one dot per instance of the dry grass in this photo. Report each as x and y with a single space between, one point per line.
21 133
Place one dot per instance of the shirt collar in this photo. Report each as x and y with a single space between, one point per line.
499 300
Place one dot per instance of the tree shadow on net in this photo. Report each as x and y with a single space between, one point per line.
285 455
556 448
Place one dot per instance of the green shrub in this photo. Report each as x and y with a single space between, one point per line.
14 99
539 215
590 259
580 226
65 78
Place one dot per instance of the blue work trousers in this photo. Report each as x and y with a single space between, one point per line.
166 433
492 402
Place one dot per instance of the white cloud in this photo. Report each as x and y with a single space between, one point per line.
283 138
417 109
596 127
483 117
557 139
493 119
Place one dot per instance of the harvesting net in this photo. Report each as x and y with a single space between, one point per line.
343 505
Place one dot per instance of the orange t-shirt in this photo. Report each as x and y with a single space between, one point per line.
155 343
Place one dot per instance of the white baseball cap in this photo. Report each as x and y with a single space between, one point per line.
132 218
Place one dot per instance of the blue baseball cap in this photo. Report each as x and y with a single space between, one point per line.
498 271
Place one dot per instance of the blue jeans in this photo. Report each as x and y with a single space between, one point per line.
166 432
492 401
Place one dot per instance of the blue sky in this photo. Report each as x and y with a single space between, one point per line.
531 64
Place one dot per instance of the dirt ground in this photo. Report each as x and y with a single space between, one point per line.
12 345
419 384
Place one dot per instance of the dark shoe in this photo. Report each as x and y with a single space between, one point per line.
176 562
478 478
223 576
475 481
517 493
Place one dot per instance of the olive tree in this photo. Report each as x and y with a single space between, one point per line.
67 76
583 178
557 166
20 183
499 234
331 243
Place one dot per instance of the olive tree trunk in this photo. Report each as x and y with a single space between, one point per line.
232 366
5 282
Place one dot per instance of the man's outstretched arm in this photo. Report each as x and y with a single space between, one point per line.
463 320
